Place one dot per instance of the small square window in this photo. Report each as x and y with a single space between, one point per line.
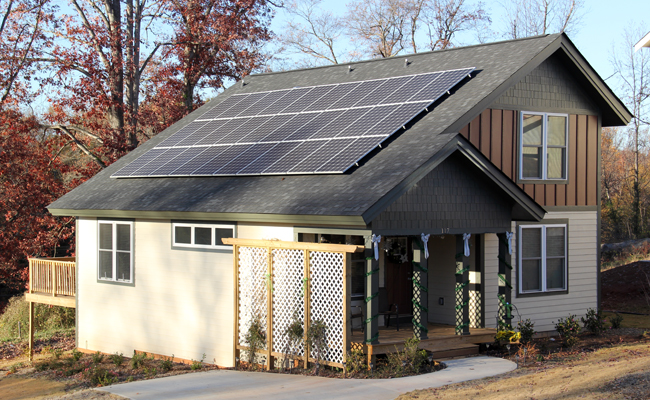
115 252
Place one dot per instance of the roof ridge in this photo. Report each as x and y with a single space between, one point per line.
401 56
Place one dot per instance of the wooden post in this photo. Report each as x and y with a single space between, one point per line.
462 288
269 311
347 290
420 289
31 331
53 277
307 308
371 332
235 257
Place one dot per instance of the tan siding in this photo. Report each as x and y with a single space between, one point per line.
582 261
491 283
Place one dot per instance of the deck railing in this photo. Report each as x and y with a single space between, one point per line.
54 276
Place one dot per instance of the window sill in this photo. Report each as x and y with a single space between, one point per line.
542 294
118 283
542 181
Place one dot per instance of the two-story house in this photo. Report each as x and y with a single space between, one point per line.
487 157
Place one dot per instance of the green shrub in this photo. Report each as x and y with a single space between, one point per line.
317 339
167 364
616 321
594 321
569 330
409 361
356 362
99 376
98 358
527 330
255 337
137 360
46 318
196 364
76 355
117 359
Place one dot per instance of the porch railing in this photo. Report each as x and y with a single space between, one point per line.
54 276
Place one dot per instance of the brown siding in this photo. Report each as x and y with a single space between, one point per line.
494 133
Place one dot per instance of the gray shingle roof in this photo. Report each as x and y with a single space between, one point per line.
349 194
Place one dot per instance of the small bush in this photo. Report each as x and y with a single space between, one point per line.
569 330
594 321
507 336
167 364
409 361
356 362
255 337
317 338
528 351
616 321
196 365
117 359
99 376
527 330
76 355
57 353
98 358
150 372
137 360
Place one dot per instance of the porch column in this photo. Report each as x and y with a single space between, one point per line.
371 331
505 287
420 290
462 288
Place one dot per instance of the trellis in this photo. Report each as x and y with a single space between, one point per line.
278 281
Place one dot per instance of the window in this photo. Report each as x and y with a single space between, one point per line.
206 236
115 251
543 146
542 258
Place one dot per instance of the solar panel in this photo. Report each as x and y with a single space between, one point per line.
303 130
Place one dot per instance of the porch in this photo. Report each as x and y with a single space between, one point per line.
52 281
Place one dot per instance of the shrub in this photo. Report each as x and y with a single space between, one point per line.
138 360
594 321
99 376
255 337
57 353
76 355
117 359
356 362
507 336
98 358
196 364
46 318
409 361
569 330
167 364
295 333
317 338
527 330
616 321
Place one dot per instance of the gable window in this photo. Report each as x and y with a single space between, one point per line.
543 146
542 258
115 258
206 236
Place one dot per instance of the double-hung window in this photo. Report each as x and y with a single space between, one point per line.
543 146
115 248
542 258
202 235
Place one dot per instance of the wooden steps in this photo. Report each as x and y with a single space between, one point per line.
461 350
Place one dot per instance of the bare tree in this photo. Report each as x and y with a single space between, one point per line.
314 32
444 19
379 26
538 17
633 71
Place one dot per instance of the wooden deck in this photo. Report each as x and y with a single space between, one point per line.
440 338
52 281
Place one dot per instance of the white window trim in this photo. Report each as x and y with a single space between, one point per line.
543 257
544 176
115 251
213 245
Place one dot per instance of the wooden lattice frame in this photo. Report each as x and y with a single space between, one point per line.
286 267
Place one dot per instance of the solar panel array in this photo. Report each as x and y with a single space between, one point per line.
303 130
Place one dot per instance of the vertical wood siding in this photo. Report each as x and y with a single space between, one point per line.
495 133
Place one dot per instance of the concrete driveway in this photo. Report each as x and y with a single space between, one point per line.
224 384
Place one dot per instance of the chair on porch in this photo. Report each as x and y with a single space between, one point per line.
357 312
387 310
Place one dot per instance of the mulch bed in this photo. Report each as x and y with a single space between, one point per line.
57 341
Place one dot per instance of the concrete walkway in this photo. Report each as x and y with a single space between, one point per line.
225 384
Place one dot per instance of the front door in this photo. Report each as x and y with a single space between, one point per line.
399 270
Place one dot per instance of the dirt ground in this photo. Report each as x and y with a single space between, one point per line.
621 372
624 288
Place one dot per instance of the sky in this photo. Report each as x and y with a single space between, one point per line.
602 27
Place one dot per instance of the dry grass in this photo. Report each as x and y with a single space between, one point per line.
619 372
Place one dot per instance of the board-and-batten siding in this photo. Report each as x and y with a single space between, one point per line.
582 262
495 133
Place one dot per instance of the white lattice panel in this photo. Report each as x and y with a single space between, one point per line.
475 309
327 300
253 269
288 301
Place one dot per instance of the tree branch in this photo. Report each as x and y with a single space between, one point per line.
76 141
